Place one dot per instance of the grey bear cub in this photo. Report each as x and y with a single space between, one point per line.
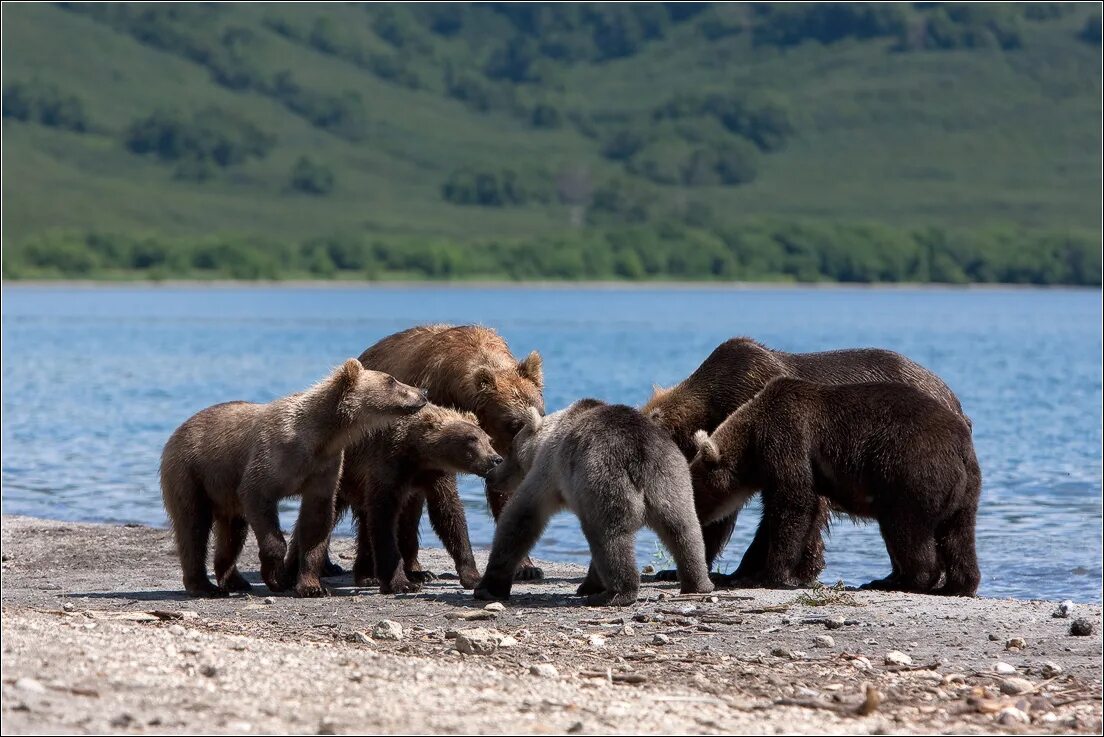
617 472
229 465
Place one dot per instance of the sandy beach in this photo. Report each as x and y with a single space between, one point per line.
99 637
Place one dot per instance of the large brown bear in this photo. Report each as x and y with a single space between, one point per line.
734 373
469 368
880 451
230 465
386 480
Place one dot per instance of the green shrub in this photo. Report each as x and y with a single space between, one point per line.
311 177
36 102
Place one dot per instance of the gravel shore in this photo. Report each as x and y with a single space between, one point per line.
99 637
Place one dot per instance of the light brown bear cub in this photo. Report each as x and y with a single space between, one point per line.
230 465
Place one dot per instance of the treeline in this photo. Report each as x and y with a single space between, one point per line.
758 251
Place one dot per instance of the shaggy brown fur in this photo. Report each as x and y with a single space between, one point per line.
230 465
470 368
734 373
386 480
879 451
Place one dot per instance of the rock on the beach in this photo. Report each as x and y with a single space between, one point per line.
270 600
1011 715
823 641
359 637
1016 686
596 641
1003 668
388 629
1063 610
1015 643
479 640
544 670
495 606
29 685
1050 670
1081 628
834 623
896 657
661 639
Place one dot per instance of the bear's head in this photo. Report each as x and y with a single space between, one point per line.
506 396
371 399
523 450
453 441
711 475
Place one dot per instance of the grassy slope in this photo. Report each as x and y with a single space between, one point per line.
950 138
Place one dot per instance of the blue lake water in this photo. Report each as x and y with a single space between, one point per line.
95 380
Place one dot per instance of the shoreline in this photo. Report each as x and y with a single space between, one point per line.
505 285
98 637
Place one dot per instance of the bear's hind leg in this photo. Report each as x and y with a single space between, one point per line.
592 584
958 553
230 534
676 524
613 555
914 549
191 516
410 518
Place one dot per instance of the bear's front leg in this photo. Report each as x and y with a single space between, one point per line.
312 533
384 518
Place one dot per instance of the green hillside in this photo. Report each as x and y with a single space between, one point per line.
733 141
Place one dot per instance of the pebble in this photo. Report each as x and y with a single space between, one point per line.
388 629
544 670
1015 643
477 641
68 607
627 630
270 600
209 670
1012 715
896 657
823 641
993 638
1003 668
177 630
781 652
1049 670
1081 628
1063 610
861 663
327 726
29 685
661 639
954 678
495 606
359 637
596 641
834 623
1016 686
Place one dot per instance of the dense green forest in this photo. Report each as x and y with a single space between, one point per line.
731 141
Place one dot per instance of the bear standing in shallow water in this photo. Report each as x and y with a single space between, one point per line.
880 451
230 465
733 374
617 472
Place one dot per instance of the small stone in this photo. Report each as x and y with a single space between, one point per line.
477 641
993 638
1016 686
1011 715
388 629
327 726
270 600
1063 610
1015 643
495 606
1050 670
68 607
177 630
823 641
29 685
661 639
507 641
626 630
575 728
1003 668
544 670
896 657
1081 628
861 663
951 678
834 623
596 641
359 638
781 652
209 670
648 570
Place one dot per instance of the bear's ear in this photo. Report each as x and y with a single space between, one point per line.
348 373
534 419
532 368
706 446
658 391
484 379
656 415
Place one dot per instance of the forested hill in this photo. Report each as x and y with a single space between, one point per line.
856 142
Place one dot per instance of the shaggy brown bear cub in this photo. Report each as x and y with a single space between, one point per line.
734 373
881 451
469 368
617 472
230 465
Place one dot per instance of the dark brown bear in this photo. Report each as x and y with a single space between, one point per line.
469 368
230 465
879 451
734 373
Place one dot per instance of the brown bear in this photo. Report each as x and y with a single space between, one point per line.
387 478
734 373
470 368
876 450
230 465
